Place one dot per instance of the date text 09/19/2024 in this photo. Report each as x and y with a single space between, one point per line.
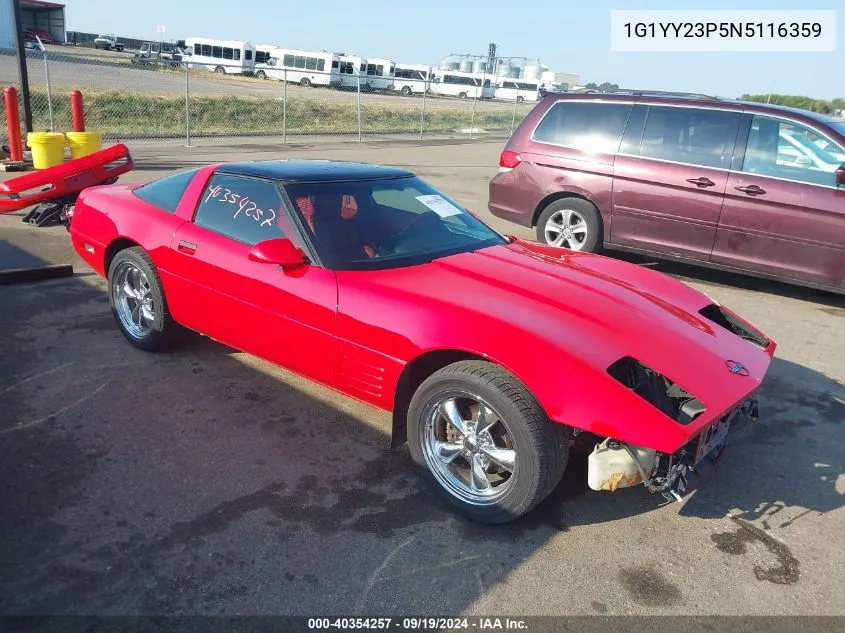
420 623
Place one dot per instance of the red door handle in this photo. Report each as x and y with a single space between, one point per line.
701 182
186 247
751 190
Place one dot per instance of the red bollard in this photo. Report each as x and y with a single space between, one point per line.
77 111
13 124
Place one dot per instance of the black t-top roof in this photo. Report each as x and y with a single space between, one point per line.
312 170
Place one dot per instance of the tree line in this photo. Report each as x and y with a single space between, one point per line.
822 106
835 107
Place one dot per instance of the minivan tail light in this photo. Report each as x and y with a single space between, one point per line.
508 160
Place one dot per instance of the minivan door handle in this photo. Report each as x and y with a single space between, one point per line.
751 190
701 182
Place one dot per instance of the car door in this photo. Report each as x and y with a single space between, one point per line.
669 183
285 317
780 216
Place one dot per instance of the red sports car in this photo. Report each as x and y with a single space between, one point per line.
492 353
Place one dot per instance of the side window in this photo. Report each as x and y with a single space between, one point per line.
217 51
244 209
593 127
227 53
237 53
166 193
783 149
690 135
288 60
321 65
311 63
206 50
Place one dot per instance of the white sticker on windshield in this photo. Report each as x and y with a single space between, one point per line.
439 205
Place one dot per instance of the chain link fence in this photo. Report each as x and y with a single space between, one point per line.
131 97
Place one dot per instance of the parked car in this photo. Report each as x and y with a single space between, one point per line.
35 34
108 43
744 187
370 281
158 53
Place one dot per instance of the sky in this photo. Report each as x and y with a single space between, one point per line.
567 36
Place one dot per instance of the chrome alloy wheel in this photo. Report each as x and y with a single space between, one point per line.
468 448
133 300
566 228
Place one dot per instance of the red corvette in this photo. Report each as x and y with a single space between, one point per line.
492 353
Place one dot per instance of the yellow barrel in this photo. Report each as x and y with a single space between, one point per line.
48 149
84 143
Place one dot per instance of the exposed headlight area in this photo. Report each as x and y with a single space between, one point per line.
726 319
657 390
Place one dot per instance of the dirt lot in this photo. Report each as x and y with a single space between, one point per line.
208 482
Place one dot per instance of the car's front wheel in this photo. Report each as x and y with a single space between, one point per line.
261 74
485 443
138 303
571 223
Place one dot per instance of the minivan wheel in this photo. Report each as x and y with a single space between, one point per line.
484 442
571 223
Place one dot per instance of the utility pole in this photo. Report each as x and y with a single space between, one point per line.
23 76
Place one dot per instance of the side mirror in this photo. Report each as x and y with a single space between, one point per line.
279 251
840 176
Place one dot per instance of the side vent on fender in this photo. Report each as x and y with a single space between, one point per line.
657 390
727 320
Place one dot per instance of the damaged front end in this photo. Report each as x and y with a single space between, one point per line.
613 465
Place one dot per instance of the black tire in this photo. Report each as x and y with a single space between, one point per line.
462 95
592 242
164 332
261 74
406 90
220 69
520 99
305 82
542 447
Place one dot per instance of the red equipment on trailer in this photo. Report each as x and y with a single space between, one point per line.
56 189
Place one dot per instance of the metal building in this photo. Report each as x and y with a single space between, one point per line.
46 19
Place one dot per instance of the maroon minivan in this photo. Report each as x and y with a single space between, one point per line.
745 187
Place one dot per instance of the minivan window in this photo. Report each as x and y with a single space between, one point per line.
784 149
589 126
690 135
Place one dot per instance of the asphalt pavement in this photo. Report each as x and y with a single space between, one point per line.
205 481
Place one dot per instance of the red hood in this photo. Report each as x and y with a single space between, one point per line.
595 309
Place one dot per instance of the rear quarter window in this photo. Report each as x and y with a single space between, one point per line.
166 193
588 126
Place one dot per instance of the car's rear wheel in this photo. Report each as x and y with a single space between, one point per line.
305 82
462 95
485 443
138 303
571 223
261 74
220 70
406 90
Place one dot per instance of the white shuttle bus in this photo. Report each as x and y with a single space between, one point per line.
378 74
462 85
349 68
411 78
517 90
233 57
300 67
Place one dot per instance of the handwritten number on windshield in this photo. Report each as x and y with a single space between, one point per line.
245 206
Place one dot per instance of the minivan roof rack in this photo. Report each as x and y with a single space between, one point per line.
652 93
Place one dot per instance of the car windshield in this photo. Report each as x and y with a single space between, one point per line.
369 224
